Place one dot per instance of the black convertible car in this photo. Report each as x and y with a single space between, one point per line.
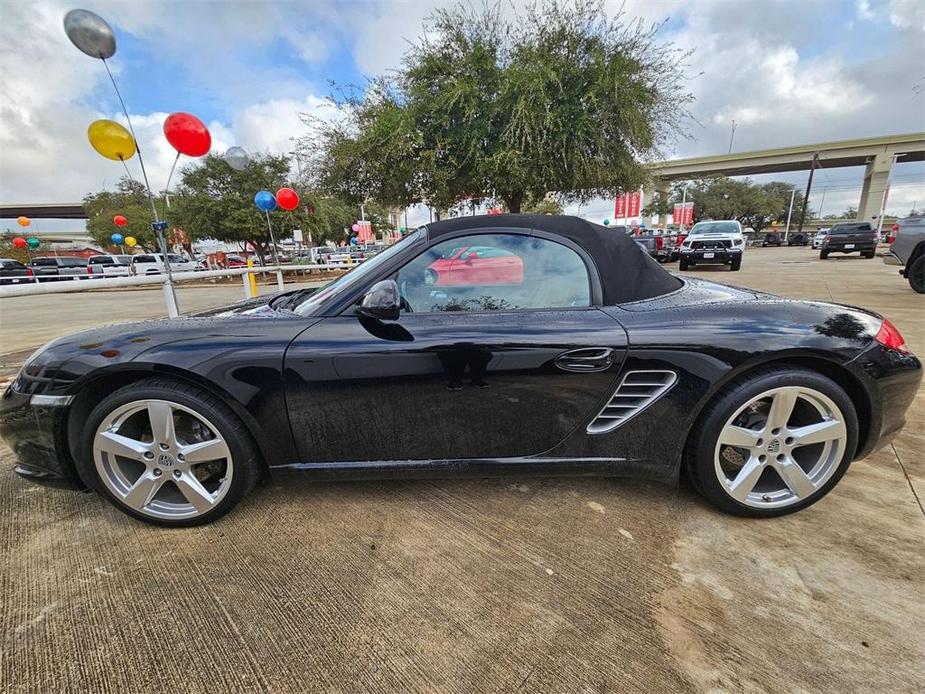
509 344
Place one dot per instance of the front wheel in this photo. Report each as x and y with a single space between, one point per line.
683 264
773 442
168 453
736 264
915 273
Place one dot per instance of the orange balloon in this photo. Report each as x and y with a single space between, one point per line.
23 221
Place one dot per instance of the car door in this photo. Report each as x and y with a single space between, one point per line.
467 371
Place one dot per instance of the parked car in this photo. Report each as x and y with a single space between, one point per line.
797 239
850 237
475 265
819 238
99 266
62 267
153 264
657 246
14 272
713 242
574 369
771 239
908 251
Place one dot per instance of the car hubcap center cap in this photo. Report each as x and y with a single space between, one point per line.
165 460
774 446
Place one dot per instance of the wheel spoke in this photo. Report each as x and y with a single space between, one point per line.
214 449
194 492
161 416
739 436
782 407
794 477
746 480
116 444
826 430
144 489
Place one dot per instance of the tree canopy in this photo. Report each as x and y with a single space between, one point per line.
130 200
500 107
754 205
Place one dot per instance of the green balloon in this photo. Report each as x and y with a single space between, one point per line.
606 222
33 242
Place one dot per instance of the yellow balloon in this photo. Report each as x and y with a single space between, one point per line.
130 241
111 140
23 221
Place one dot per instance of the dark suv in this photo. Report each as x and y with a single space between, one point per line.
14 272
850 237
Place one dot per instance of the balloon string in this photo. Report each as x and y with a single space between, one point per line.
141 161
169 176
127 172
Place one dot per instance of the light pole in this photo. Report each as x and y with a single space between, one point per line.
732 135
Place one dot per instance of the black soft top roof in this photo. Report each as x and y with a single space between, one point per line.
627 272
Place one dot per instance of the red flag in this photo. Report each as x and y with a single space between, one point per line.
619 208
634 204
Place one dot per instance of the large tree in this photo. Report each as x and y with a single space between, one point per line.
498 106
130 200
754 205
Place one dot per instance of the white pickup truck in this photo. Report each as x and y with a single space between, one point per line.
715 242
153 264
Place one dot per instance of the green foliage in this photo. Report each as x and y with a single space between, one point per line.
131 201
754 205
491 106
545 205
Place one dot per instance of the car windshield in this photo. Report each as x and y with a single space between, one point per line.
355 276
715 228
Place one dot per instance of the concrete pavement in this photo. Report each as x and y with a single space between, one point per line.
545 585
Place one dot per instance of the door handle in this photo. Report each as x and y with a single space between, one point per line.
586 359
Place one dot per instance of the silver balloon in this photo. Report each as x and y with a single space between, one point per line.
237 158
90 33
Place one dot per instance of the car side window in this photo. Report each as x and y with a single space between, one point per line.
494 272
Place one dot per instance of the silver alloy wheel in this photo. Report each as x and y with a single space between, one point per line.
781 447
162 459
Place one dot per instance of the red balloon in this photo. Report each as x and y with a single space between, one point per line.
20 242
287 198
119 220
187 134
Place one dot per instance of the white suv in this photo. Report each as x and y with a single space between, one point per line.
713 242
153 264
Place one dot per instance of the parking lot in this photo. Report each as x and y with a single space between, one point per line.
517 584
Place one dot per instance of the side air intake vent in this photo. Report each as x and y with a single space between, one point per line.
636 392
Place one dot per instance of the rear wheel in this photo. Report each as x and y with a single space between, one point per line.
773 442
823 255
868 254
915 273
168 453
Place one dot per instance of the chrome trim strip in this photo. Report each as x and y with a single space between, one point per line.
50 400
661 381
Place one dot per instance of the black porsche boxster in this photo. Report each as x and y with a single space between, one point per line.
481 345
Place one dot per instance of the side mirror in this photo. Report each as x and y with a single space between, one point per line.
382 301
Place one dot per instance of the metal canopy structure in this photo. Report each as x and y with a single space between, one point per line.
66 210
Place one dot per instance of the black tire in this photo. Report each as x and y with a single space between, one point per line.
683 264
869 254
823 255
248 467
736 264
701 445
915 273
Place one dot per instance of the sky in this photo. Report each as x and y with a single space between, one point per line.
787 71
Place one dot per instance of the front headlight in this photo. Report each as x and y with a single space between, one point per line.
686 244
736 242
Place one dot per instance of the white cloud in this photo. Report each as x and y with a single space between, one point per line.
908 14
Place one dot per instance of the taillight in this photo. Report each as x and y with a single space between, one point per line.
89 269
890 337
659 242
29 272
828 238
